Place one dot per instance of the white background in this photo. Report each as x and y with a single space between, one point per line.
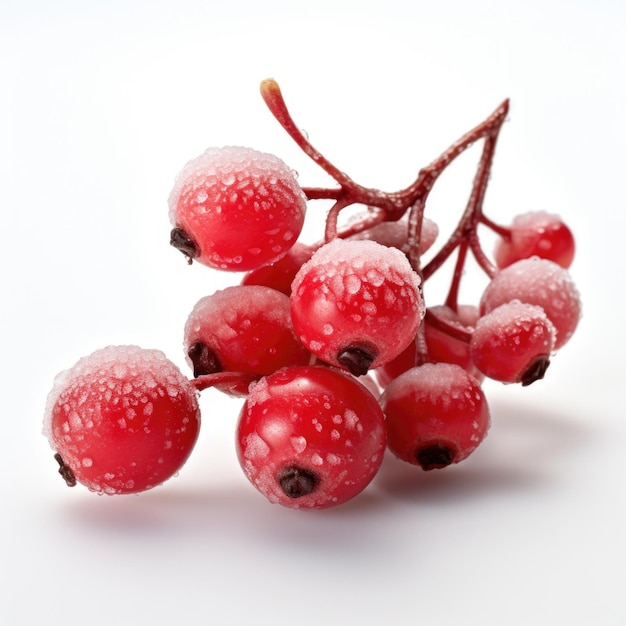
102 103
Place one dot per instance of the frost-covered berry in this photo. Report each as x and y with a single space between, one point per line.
436 415
236 209
540 282
356 304
536 233
310 437
122 420
243 328
513 343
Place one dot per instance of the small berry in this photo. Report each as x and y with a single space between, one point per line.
540 282
513 343
395 234
436 415
280 275
536 234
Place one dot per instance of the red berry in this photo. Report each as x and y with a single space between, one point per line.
395 234
436 415
356 304
236 209
536 234
541 282
310 437
280 275
513 343
244 328
122 420
442 347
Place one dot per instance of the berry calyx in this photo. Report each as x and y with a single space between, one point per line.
297 482
180 240
357 360
203 359
435 456
535 371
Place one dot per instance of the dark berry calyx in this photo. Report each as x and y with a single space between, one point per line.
435 456
204 360
65 471
535 371
356 359
297 482
181 241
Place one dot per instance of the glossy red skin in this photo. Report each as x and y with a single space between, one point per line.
504 348
239 215
395 234
540 282
318 418
335 305
536 234
442 348
435 404
122 432
280 275
248 327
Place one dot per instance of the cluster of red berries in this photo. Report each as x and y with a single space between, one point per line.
331 345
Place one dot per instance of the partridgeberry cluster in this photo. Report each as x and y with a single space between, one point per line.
331 346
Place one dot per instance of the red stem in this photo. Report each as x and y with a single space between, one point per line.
394 204
223 378
503 231
452 300
466 228
450 328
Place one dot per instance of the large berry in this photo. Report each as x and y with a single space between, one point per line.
310 437
236 209
356 304
122 420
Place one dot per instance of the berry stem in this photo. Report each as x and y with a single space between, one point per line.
427 176
332 217
452 299
273 97
503 231
65 471
453 330
223 378
394 204
416 219
467 226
